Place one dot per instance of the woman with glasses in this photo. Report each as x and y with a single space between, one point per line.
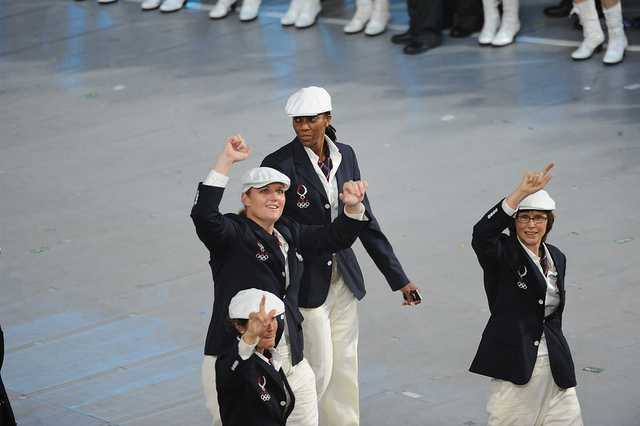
523 348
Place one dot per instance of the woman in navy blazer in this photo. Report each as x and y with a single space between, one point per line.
332 283
523 348
252 387
249 249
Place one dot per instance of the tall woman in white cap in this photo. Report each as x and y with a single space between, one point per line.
258 248
522 348
332 284
253 389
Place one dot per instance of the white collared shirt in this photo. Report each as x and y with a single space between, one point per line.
330 185
246 351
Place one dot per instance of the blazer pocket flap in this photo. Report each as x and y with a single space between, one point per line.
501 335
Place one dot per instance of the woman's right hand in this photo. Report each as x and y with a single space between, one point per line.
236 149
531 183
258 323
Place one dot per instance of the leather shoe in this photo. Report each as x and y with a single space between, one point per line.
415 47
402 38
560 11
459 32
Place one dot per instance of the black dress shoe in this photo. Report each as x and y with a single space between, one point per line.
415 47
560 11
403 38
459 32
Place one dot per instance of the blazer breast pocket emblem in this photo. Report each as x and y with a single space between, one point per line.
522 271
262 253
303 202
264 395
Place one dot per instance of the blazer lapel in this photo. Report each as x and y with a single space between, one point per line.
306 169
533 274
269 240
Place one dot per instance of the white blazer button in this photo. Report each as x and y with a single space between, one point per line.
284 274
541 301
282 403
327 206
536 343
329 263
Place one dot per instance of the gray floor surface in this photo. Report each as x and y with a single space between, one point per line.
110 116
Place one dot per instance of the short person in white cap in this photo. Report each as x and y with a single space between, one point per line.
523 348
332 284
258 246
252 388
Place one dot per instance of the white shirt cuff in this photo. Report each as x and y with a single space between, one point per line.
508 210
216 179
246 351
356 216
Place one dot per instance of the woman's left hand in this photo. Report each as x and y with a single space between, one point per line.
353 192
408 297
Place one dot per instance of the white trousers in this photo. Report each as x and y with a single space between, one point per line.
331 346
539 402
300 378
209 388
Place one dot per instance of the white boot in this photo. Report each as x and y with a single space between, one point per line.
222 9
510 24
491 22
172 5
151 4
364 9
249 10
591 30
291 16
617 40
379 19
308 13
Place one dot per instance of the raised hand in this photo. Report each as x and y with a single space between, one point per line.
531 183
534 182
258 323
235 148
353 192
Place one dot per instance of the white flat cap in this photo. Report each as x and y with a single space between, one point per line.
262 176
247 301
308 102
538 201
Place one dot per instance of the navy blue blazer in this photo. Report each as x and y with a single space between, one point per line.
515 290
251 392
315 209
243 255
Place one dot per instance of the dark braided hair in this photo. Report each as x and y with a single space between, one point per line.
330 131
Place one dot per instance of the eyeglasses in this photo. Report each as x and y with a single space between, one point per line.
536 219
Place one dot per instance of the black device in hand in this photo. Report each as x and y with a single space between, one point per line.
415 294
